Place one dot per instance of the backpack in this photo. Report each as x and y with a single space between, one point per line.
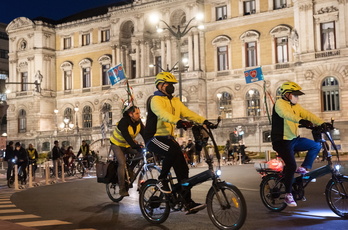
151 122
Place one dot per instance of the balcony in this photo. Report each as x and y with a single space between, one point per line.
327 53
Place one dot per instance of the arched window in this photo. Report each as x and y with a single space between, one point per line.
250 40
68 114
67 74
46 146
330 94
225 104
22 121
87 117
253 102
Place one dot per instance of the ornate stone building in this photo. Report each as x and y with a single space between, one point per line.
303 41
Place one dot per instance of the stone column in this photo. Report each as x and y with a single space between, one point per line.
190 53
196 51
169 54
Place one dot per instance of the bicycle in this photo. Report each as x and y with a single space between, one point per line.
81 166
225 203
272 188
145 169
20 173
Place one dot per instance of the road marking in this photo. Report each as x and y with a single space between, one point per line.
7 206
5 202
10 211
43 223
16 217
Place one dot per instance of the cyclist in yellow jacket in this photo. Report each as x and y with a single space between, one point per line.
165 112
33 157
123 142
286 117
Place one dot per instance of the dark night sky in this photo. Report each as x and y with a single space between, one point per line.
11 9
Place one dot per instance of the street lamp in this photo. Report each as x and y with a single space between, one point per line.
76 109
219 95
66 125
178 32
56 117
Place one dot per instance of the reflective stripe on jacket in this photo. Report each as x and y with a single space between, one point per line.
117 138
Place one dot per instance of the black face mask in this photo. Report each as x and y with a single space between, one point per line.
170 89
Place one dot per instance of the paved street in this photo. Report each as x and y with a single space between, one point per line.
83 204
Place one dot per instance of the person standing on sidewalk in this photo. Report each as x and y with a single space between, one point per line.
56 156
8 157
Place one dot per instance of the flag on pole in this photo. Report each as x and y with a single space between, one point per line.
116 74
253 75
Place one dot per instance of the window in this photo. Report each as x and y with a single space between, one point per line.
266 136
86 75
328 37
67 80
24 80
253 102
3 54
3 36
222 58
105 35
251 58
105 75
158 62
249 7
67 43
221 13
86 39
46 146
278 4
108 113
282 50
22 121
225 104
330 94
68 114
87 117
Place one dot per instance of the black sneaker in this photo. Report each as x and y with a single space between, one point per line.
195 207
163 186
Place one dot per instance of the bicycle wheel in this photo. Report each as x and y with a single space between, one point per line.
337 196
226 206
81 169
113 191
272 192
153 203
148 172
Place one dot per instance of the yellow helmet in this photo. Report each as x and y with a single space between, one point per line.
291 87
165 77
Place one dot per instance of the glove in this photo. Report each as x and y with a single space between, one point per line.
183 124
209 124
327 126
306 123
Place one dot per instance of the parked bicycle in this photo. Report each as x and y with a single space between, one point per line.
144 170
272 188
225 203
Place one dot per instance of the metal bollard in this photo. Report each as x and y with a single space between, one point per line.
268 155
240 158
63 176
30 176
16 177
56 169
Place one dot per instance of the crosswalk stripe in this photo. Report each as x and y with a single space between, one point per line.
16 217
11 210
43 223
7 206
5 202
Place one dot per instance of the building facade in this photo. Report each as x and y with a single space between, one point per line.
303 41
3 77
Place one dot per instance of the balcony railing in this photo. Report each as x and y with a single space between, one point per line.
327 53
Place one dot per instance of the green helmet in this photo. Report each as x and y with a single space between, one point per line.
291 87
165 77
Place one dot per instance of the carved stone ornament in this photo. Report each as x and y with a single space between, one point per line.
140 95
96 101
345 71
237 87
309 75
327 9
116 97
193 89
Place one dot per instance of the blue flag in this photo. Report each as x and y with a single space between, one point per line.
116 74
253 75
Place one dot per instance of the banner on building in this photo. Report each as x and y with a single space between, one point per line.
253 75
116 74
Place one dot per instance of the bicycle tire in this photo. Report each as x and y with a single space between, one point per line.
272 192
81 169
151 172
226 206
336 193
113 191
153 204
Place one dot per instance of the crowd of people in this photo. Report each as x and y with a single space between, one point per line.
17 154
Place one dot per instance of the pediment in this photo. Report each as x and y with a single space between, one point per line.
19 23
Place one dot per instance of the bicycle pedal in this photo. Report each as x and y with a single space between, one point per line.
304 198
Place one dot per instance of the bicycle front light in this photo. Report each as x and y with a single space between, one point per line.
338 167
218 172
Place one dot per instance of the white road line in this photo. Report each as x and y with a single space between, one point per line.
7 206
10 211
43 223
16 217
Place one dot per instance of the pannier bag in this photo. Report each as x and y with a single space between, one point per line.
106 172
